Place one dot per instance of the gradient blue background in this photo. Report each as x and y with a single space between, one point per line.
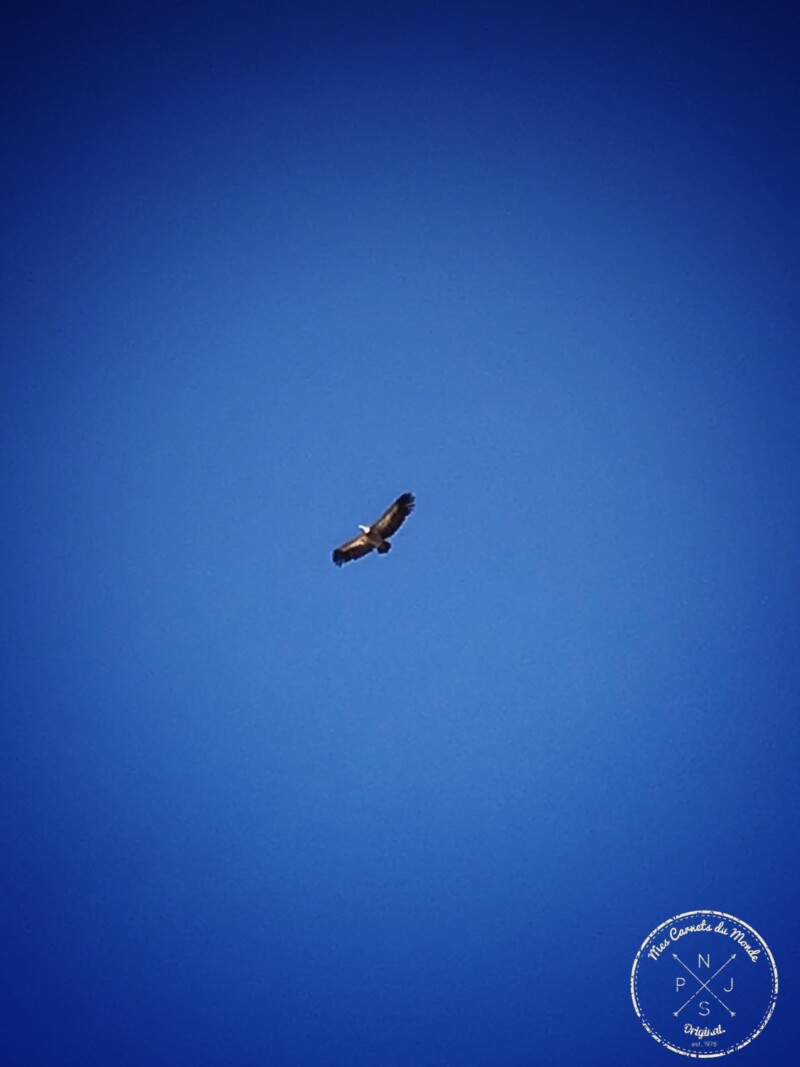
266 266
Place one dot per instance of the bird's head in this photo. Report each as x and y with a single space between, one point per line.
363 529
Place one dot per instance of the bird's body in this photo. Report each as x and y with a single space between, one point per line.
376 537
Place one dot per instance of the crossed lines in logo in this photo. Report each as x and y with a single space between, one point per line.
701 985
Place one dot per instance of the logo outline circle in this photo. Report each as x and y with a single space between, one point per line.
659 1037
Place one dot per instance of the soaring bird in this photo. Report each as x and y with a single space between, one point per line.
377 535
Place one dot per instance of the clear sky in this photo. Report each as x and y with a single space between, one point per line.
265 267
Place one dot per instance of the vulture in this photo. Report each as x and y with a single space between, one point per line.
376 536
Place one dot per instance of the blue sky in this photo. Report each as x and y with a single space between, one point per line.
266 267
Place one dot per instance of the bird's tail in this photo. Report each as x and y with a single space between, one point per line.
384 548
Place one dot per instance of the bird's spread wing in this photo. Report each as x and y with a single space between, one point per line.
354 549
395 515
